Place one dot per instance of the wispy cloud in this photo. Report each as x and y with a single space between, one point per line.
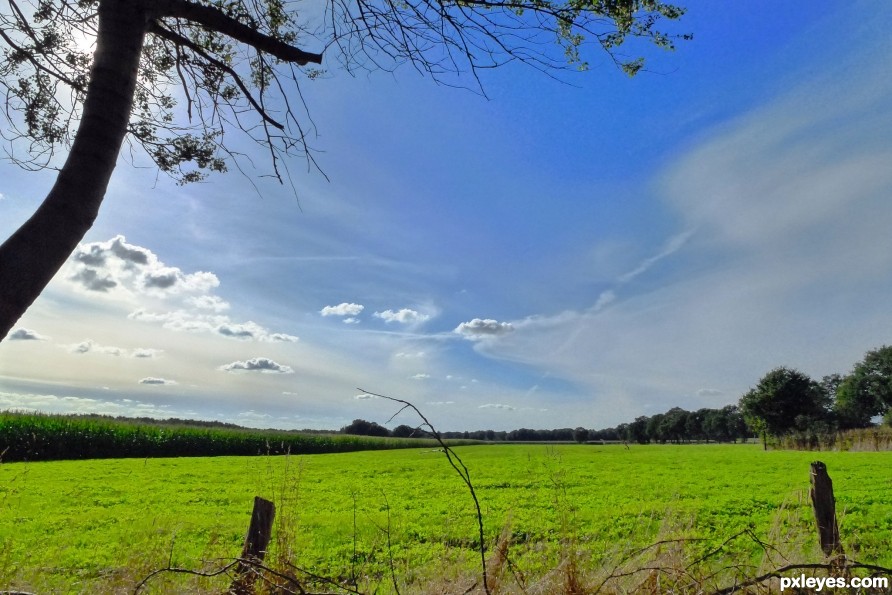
91 346
196 322
710 392
791 259
155 381
672 246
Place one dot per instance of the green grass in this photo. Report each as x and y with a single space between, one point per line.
89 526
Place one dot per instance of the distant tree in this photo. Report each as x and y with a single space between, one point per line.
867 391
235 65
674 424
734 423
656 429
580 435
524 435
784 400
622 433
693 427
361 427
831 383
562 435
404 431
714 426
638 430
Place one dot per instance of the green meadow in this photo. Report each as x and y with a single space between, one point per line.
404 516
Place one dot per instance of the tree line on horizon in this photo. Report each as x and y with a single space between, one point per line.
784 402
676 425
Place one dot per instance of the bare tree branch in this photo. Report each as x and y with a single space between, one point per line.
456 463
180 41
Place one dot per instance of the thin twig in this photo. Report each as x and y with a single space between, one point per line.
456 463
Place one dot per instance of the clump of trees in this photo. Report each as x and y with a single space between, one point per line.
678 426
789 402
361 427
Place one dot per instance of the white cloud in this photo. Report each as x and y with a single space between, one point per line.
403 316
23 334
208 302
114 266
365 396
496 406
343 309
420 376
151 380
482 328
136 275
90 346
280 338
257 364
441 403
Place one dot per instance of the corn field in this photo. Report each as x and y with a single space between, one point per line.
38 437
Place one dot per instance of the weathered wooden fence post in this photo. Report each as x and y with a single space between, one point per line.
825 509
259 534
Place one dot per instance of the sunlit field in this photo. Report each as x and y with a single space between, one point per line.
375 519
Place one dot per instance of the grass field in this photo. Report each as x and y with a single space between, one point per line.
100 526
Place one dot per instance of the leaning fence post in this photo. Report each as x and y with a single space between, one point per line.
256 541
825 509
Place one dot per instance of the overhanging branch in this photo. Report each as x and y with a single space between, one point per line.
216 20
179 40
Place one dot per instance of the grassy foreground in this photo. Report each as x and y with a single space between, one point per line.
378 517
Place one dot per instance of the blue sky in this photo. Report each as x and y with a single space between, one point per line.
553 255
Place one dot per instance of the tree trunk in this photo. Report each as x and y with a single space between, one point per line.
37 250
